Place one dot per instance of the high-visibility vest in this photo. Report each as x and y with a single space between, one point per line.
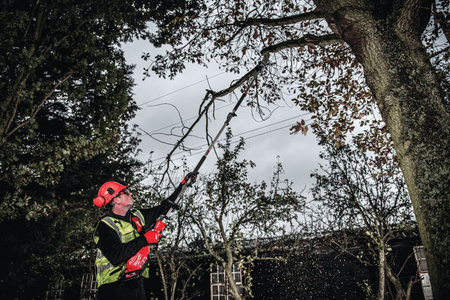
106 272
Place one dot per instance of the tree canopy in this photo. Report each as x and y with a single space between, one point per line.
65 89
66 98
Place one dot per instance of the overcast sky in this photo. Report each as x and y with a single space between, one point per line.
266 140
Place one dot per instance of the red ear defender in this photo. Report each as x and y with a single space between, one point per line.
99 201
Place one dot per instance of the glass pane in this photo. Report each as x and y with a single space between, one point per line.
237 277
214 278
215 290
222 278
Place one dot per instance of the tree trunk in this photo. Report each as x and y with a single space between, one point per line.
399 292
385 37
163 275
381 273
229 272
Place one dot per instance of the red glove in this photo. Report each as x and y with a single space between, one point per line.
152 237
159 226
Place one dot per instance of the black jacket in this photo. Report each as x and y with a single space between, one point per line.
111 245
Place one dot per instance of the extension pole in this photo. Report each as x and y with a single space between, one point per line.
232 114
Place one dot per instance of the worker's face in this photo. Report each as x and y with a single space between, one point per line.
125 199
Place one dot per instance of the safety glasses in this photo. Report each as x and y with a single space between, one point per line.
124 191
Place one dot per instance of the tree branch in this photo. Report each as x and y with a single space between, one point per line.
307 39
414 14
214 96
180 141
237 84
281 21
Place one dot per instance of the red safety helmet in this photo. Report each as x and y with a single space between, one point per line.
107 192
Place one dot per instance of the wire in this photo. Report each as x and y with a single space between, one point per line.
238 136
177 123
180 89
253 130
191 118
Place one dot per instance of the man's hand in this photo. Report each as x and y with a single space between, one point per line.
190 178
152 237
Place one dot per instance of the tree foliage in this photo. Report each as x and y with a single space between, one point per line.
66 98
345 62
181 260
66 89
236 34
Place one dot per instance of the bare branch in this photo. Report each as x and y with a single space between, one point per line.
204 109
180 141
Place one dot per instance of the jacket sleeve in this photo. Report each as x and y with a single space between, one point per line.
112 247
151 215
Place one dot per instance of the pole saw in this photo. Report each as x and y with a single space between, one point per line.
185 183
137 263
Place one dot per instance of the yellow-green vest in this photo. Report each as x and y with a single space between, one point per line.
106 272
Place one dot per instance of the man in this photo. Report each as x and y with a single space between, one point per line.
123 240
